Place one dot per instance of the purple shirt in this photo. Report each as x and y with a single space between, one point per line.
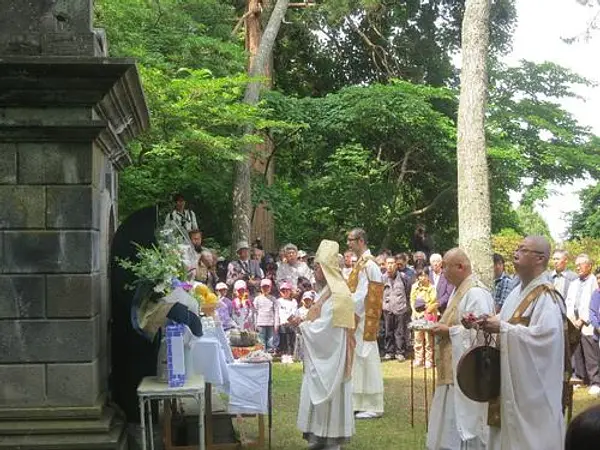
224 311
595 312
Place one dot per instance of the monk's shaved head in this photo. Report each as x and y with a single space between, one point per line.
539 244
531 258
457 256
457 266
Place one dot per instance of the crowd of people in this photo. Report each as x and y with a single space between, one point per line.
323 311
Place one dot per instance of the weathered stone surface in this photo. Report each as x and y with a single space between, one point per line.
22 296
115 439
49 425
45 16
22 385
46 163
66 44
51 341
70 207
53 412
22 206
72 295
50 251
8 163
72 384
48 116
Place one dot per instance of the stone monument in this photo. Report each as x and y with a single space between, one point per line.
66 113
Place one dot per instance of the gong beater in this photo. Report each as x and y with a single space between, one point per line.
478 370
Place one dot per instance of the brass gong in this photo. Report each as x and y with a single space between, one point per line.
478 373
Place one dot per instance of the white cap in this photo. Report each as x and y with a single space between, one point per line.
220 286
239 284
308 294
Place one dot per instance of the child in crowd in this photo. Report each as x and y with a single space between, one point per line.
224 308
424 305
287 307
243 313
306 302
267 315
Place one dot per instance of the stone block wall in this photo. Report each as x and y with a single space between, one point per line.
66 114
50 274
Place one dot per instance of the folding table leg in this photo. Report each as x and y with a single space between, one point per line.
201 439
143 421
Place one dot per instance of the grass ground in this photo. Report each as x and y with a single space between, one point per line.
392 431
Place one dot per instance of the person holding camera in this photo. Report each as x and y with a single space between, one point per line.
185 218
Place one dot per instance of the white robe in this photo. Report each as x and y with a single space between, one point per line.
532 364
367 378
456 422
325 409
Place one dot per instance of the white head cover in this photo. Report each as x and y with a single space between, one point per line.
343 306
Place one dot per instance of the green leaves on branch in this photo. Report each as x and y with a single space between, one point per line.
586 222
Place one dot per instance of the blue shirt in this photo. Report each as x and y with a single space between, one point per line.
502 287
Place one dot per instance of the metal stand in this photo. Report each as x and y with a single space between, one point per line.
425 381
270 400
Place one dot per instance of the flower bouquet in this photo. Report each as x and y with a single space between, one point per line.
207 299
158 270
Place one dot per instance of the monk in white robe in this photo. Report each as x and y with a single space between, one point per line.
367 378
531 359
325 414
455 421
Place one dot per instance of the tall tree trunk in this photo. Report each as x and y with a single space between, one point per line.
262 220
242 190
474 214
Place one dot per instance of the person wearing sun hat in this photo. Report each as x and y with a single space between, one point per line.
245 269
328 335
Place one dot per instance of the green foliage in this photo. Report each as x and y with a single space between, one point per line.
532 223
364 148
506 242
369 156
586 222
170 34
532 139
589 246
159 263
350 42
193 76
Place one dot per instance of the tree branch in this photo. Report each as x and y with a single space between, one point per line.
423 210
404 168
243 19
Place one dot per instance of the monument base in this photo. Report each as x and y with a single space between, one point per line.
105 432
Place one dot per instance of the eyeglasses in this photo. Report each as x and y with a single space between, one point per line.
526 250
352 239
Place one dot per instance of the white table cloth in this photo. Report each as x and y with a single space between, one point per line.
205 356
247 384
248 388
